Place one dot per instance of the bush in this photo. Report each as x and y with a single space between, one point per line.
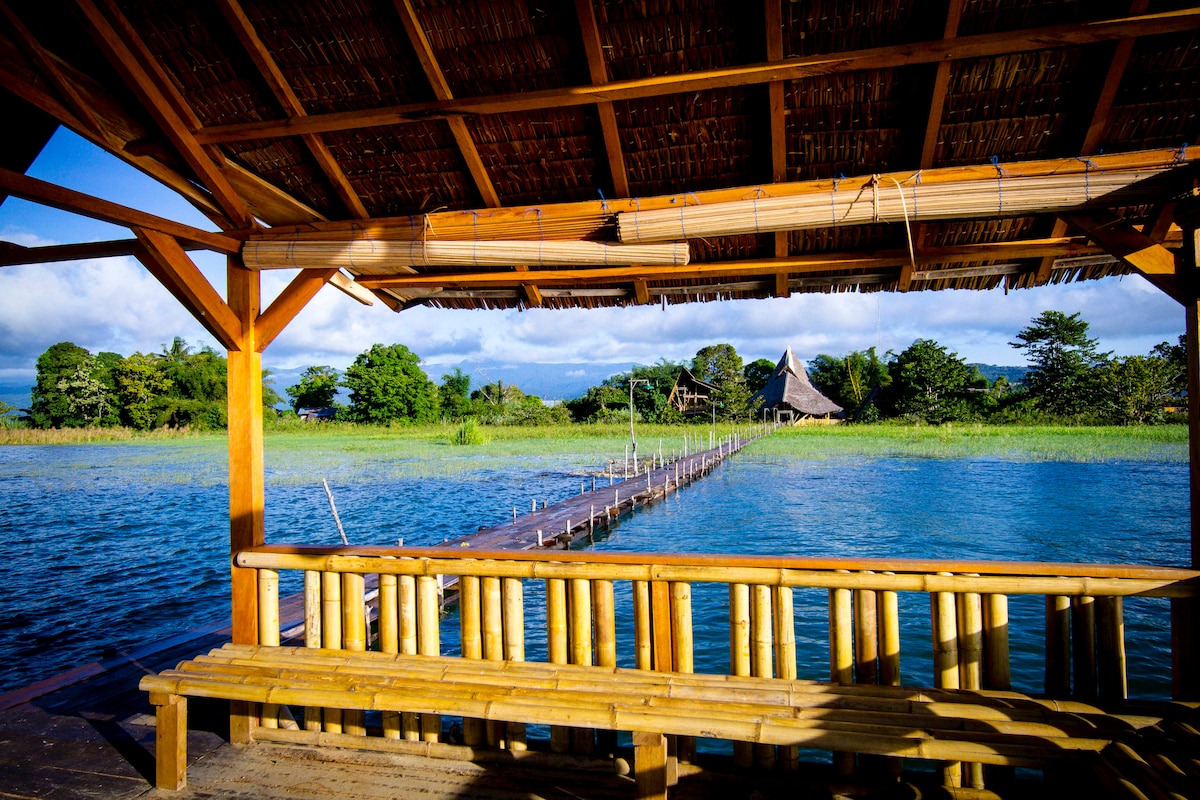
470 432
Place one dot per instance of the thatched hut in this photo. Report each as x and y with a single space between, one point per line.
789 394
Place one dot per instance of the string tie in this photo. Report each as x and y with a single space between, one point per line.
1087 180
757 194
837 179
475 243
637 228
1001 173
541 233
1181 153
603 202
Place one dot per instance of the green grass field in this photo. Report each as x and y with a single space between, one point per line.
578 444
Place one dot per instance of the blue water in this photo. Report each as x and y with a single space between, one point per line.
111 546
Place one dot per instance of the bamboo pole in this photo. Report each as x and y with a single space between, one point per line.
583 740
970 658
740 662
889 638
428 642
557 648
945 664
268 630
997 674
683 653
866 637
389 642
1083 646
1110 642
471 634
331 633
513 601
1058 646
410 725
841 657
354 637
784 615
660 621
312 634
492 616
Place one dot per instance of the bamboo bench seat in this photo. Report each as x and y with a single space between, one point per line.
988 727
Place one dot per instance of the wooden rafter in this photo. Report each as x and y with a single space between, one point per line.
47 194
49 68
593 49
1100 117
267 67
13 255
1121 240
441 90
964 47
776 111
125 50
168 262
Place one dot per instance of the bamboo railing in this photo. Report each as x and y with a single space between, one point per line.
589 602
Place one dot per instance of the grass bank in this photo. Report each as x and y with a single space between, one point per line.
427 449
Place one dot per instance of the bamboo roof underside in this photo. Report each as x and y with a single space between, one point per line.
506 154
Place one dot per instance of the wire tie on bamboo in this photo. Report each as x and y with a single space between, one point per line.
1181 153
832 205
637 228
1001 174
1087 169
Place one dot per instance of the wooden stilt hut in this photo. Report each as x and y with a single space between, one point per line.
691 396
497 154
790 395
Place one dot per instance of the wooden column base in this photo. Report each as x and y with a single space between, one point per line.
652 769
170 741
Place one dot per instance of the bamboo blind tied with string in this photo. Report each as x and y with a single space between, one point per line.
878 201
384 257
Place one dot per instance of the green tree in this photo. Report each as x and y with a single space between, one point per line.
1137 389
87 396
455 394
141 386
51 406
7 420
931 383
387 384
848 380
757 373
721 366
199 386
1175 356
316 389
1064 364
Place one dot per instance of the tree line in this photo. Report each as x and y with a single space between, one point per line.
1068 380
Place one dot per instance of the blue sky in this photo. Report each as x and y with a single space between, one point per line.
114 304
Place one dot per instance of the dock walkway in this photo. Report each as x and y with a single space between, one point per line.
598 508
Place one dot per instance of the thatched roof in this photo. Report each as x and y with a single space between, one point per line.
790 388
421 122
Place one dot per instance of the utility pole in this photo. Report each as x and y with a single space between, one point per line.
632 437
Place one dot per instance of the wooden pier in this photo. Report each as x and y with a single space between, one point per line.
600 504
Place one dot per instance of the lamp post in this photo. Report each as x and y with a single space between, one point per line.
632 437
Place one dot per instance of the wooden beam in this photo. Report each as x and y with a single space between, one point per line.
805 264
12 255
245 435
347 285
593 49
533 295
124 49
1121 240
641 291
290 302
441 90
167 262
267 67
47 194
781 285
964 47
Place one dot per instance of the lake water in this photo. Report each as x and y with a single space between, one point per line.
111 546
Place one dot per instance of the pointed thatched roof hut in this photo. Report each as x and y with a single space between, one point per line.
690 395
789 390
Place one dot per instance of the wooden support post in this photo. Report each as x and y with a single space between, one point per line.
1185 612
170 741
650 765
245 443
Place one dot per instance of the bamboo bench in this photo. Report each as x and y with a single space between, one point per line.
980 727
